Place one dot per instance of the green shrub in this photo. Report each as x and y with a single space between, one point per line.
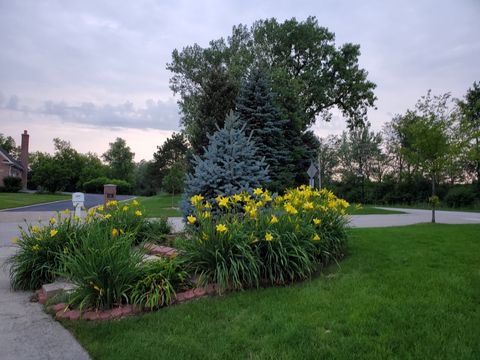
460 196
12 184
103 265
158 282
95 186
38 259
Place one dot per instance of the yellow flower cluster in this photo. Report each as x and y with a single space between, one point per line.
302 208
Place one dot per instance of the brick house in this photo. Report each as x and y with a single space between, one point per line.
11 167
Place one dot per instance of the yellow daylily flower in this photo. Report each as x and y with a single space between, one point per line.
125 208
308 206
316 237
115 232
290 209
258 191
53 232
237 198
53 220
100 207
317 221
273 220
221 228
268 236
138 213
36 247
135 203
208 205
196 199
108 216
35 229
222 201
206 214
66 211
191 219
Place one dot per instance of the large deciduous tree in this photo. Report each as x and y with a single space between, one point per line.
470 125
309 74
120 159
173 150
426 138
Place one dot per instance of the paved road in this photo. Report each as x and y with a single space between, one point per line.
414 216
90 201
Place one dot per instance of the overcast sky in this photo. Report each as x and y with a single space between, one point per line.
90 71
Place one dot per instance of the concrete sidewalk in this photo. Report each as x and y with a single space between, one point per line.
26 331
414 216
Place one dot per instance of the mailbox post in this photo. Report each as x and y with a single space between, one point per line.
78 201
109 193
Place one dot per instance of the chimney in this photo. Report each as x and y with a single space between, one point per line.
24 158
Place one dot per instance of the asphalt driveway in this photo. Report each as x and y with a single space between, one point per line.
91 200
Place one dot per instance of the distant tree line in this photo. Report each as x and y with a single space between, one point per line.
429 153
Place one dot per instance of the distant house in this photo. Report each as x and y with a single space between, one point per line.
11 167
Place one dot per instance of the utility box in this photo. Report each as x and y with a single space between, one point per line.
109 193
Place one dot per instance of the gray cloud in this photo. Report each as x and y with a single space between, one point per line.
162 115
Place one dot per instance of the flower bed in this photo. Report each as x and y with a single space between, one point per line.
235 242
246 240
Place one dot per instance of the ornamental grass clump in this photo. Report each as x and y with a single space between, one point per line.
279 239
38 259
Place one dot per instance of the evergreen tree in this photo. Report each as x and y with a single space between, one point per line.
230 164
256 109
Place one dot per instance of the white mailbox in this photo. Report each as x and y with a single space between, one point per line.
78 200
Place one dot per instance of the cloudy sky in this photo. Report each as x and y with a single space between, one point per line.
89 71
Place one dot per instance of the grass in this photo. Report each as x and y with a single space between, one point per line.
403 293
13 200
370 210
163 205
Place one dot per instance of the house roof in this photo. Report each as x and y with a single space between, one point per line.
10 160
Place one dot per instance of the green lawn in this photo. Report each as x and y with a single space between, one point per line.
12 200
370 210
162 205
403 293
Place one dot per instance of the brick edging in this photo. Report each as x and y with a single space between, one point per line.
63 312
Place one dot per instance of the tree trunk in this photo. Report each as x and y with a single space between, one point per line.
433 201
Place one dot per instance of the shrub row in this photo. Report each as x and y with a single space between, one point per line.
95 186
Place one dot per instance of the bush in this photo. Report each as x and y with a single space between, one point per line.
95 186
158 282
460 196
12 184
38 259
254 238
103 265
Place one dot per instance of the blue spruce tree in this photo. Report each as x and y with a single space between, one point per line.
230 164
256 109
